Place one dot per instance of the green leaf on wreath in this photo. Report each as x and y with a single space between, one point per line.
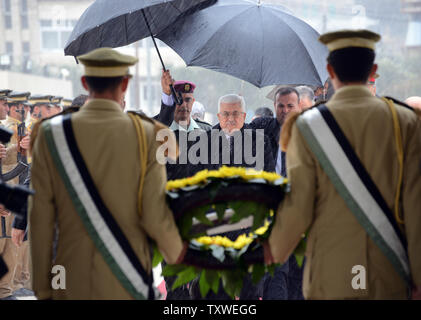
200 214
157 256
213 189
301 247
172 269
185 226
204 285
259 216
271 269
258 273
184 277
212 278
232 282
220 210
300 259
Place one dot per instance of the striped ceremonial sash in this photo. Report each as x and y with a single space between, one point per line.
97 219
340 162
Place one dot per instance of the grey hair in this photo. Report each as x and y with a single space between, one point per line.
232 98
307 92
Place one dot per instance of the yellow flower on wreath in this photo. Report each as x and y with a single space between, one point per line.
223 172
241 241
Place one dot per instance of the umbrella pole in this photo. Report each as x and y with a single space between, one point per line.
178 99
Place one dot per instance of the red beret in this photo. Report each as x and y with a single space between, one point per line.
184 86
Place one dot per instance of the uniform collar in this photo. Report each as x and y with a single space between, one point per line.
351 92
101 104
12 120
193 125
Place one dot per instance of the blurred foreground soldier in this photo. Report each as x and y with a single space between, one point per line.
95 171
306 97
363 220
371 84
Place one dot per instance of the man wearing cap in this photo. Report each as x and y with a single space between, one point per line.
7 248
39 108
18 111
4 109
362 220
56 107
17 156
178 118
103 233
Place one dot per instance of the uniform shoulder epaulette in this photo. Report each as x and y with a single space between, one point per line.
403 104
142 115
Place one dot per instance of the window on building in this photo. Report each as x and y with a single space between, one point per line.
7 12
26 57
9 51
55 33
24 14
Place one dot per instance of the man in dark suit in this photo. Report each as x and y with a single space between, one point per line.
234 143
286 282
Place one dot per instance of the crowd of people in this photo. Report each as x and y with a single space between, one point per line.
115 160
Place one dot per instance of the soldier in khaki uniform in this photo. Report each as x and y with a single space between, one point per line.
107 139
336 241
7 249
19 269
56 105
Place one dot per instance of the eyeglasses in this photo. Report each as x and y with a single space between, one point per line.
235 114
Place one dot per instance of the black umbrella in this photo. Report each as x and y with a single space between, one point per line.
116 23
260 43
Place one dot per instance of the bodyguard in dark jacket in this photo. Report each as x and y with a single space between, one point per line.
178 119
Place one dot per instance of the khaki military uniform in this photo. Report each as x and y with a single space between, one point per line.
336 241
11 254
107 140
12 153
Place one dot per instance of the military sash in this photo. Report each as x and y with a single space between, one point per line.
351 180
97 219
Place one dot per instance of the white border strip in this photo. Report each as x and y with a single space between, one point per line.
353 183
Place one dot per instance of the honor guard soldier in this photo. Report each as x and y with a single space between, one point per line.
353 165
56 106
14 169
18 145
95 172
40 109
7 248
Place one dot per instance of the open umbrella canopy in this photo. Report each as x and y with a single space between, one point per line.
112 23
259 43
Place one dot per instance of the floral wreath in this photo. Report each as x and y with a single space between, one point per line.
232 194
